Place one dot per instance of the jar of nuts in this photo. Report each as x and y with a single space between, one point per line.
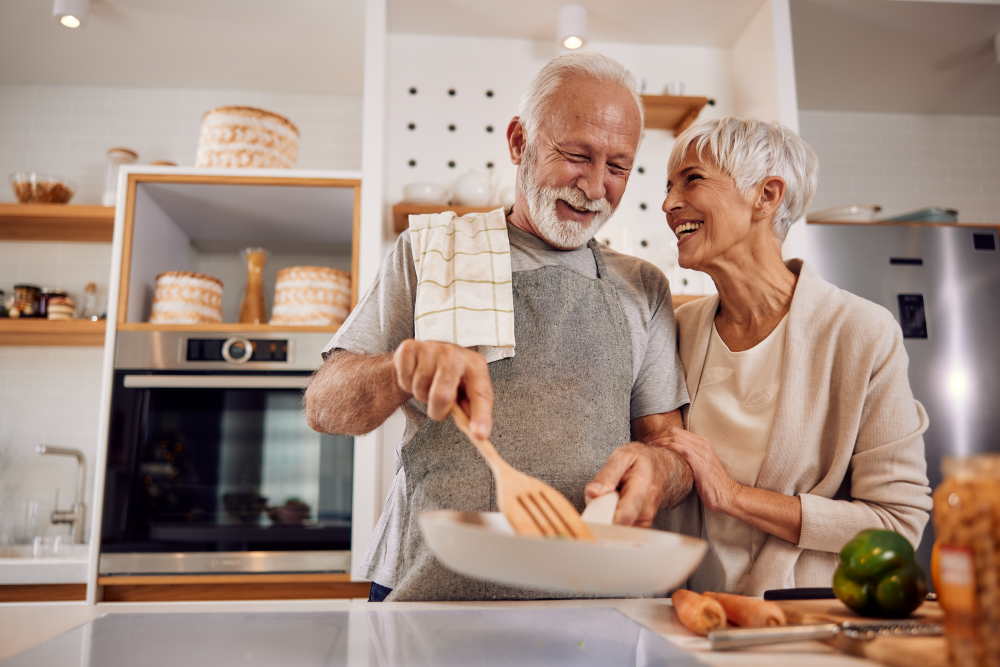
966 562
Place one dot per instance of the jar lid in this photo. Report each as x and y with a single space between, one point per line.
26 286
54 291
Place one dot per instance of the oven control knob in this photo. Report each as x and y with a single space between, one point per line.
237 350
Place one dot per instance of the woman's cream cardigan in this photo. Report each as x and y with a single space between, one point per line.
847 433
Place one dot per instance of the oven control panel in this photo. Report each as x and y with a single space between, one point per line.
236 350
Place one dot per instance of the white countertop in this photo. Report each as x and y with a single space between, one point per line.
25 625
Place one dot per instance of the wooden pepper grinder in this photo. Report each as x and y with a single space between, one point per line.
252 308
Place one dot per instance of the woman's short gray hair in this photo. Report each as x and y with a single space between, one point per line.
749 150
606 70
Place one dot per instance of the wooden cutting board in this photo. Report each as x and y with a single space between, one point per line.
893 651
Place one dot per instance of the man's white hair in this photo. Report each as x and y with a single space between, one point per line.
536 96
749 150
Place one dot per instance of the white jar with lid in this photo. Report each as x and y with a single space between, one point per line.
116 158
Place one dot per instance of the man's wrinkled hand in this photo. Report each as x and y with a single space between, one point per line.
643 474
443 374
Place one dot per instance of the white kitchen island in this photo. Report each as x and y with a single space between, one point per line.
357 632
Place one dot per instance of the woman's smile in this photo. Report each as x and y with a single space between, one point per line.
687 228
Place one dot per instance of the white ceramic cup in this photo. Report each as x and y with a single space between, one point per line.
427 192
675 88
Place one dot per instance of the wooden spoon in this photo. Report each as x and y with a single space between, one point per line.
531 506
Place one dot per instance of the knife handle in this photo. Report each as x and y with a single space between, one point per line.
724 640
800 594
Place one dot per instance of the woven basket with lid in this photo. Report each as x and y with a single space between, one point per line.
247 137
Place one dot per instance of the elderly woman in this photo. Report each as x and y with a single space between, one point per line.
802 429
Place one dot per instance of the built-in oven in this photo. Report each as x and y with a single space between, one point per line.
211 464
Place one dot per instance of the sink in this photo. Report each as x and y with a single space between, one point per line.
66 552
18 566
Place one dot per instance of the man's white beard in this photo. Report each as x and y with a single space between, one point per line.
562 234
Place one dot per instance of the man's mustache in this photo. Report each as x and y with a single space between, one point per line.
576 198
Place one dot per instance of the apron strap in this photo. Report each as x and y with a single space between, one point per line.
602 270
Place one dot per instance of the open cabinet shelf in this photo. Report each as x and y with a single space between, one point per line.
670 112
198 221
56 222
402 211
38 331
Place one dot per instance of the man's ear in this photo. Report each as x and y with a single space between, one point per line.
516 140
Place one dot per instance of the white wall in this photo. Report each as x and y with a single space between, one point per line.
471 66
906 162
49 395
67 130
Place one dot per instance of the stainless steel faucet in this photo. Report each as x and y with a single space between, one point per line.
75 516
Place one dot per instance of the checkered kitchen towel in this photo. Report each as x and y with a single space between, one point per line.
464 292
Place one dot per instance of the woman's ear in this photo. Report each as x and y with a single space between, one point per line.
772 193
515 140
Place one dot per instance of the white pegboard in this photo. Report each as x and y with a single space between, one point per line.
487 77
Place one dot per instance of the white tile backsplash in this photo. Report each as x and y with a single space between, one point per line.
905 162
67 130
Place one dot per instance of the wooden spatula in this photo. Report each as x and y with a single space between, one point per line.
531 506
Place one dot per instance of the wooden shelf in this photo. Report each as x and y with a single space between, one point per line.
401 212
176 588
36 331
668 112
225 327
56 222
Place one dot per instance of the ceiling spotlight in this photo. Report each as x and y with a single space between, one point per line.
572 26
71 13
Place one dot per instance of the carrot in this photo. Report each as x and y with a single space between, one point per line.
749 612
698 613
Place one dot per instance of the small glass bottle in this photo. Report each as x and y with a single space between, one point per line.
89 311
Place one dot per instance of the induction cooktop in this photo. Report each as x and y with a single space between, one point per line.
480 637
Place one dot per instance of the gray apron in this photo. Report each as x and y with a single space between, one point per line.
562 407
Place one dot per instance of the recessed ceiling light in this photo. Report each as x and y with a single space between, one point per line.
71 13
572 26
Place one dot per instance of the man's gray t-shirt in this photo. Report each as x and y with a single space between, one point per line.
384 318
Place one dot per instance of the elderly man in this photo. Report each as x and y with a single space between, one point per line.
595 375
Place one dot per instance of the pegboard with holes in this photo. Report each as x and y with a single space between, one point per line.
450 99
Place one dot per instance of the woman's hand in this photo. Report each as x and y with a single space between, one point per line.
716 488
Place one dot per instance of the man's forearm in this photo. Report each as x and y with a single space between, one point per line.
680 479
353 394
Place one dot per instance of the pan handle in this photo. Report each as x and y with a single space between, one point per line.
724 640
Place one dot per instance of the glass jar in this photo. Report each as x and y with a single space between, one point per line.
43 299
116 158
26 299
965 564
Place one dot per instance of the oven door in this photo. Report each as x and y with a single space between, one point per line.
218 471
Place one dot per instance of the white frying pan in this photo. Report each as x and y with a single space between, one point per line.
623 560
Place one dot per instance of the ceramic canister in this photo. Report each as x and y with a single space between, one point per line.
182 297
247 137
311 296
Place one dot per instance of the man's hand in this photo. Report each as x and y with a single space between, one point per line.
646 476
651 478
441 374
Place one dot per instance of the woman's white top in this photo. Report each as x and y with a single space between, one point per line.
734 409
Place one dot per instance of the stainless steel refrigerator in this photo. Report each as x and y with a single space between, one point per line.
942 283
